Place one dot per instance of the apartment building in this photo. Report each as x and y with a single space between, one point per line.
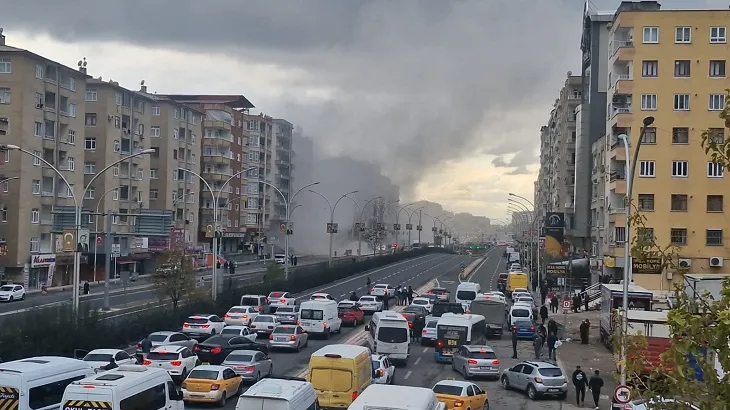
176 135
599 180
221 165
43 103
670 65
259 205
282 154
544 183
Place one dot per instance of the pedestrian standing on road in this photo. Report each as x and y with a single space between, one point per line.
397 294
419 323
537 343
595 384
410 295
386 300
585 300
551 340
514 342
543 313
403 295
87 287
552 326
584 328
232 268
296 258
554 303
543 334
576 303
579 381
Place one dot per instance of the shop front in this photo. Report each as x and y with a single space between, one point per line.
42 270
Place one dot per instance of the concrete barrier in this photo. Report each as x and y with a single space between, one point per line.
470 268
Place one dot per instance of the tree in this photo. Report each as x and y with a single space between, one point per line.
719 148
274 272
174 278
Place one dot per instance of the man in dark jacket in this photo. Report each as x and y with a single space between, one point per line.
514 342
419 323
584 328
585 300
353 296
595 384
551 340
552 326
543 313
579 381
410 295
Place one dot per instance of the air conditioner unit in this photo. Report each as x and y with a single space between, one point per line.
685 263
670 275
716 261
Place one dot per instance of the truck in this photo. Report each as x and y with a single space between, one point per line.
494 311
612 300
697 285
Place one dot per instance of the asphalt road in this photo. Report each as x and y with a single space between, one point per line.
414 272
139 292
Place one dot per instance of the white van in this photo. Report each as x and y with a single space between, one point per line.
388 334
320 316
519 312
38 382
278 394
466 292
383 396
126 387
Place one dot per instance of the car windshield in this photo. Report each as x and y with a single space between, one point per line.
482 355
157 338
241 358
521 290
285 309
526 300
231 331
311 314
238 310
438 291
319 296
420 302
279 256
432 324
166 356
367 299
413 309
203 374
550 372
380 286
392 334
447 390
97 357
520 313
250 301
196 320
6 288
287 330
268 319
466 295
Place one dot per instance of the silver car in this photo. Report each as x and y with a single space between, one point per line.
288 314
251 365
537 379
428 334
167 338
474 360
288 337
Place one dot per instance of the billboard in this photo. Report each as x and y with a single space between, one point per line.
554 233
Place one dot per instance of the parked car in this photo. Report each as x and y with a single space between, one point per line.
537 379
251 365
178 361
217 348
9 293
350 313
288 337
203 325
383 369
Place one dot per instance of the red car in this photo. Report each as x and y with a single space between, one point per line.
350 313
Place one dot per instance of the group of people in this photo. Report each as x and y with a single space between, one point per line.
544 336
404 295
581 382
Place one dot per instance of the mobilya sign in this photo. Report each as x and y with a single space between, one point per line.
556 269
647 265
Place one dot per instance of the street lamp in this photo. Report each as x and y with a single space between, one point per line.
630 169
76 294
214 293
531 237
397 217
332 218
410 215
360 229
96 226
287 215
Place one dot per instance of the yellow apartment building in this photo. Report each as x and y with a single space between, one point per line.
671 65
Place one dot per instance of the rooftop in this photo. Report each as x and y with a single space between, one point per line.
233 101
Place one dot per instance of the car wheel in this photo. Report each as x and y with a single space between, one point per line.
271 371
466 373
339 329
258 376
11 299
22 297
486 405
505 383
184 374
222 401
240 388
212 332
531 392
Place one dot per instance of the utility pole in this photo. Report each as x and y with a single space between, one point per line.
107 256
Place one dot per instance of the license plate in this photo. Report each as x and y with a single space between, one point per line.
195 327
306 323
485 368
553 390
281 339
206 363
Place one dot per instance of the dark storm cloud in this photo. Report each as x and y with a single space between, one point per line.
412 81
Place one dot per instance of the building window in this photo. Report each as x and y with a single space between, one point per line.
718 35
70 163
682 68
717 68
90 143
716 135
153 173
117 146
38 129
678 236
176 114
36 187
35 244
174 134
115 170
155 110
645 234
115 194
651 35
648 102
3 213
155 131
681 102
647 169
39 70
90 120
679 202
646 202
4 95
620 235
71 137
649 136
89 168
715 170
36 159
715 203
680 135
91 95
6 67
90 193
717 102
650 68
680 169
713 237
683 35
153 194
35 216
6 155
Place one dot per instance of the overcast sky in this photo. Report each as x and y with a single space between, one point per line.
447 96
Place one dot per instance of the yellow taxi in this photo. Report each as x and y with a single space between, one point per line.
211 384
461 395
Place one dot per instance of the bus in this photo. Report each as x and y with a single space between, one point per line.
454 331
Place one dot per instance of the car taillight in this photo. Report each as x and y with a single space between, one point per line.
271 336
440 343
205 326
215 386
538 379
196 348
372 290
248 368
216 350
292 338
424 331
261 308
354 395
146 362
410 324
282 301
514 327
472 362
495 362
186 325
244 316
467 311
324 324
139 346
227 316
458 403
380 372
176 363
532 328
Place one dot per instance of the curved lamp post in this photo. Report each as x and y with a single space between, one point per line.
397 219
362 226
76 294
410 215
332 217
96 226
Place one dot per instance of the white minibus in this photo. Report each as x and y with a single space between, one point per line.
388 334
383 396
454 331
466 292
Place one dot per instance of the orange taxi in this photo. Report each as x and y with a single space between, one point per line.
211 384
461 395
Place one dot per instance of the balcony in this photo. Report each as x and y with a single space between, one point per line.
281 163
624 84
216 174
622 47
216 156
617 217
617 182
618 152
218 135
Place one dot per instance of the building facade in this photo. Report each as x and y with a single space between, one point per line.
599 180
259 205
282 154
670 65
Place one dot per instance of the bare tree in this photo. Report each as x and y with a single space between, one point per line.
174 278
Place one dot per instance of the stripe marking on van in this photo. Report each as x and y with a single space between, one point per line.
86 405
9 398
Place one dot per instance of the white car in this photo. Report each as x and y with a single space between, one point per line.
98 358
238 330
280 258
370 304
279 298
383 369
177 360
321 296
288 315
240 315
496 295
425 302
203 325
264 324
9 293
517 292
381 289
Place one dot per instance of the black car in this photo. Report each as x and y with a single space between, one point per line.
216 348
417 311
441 308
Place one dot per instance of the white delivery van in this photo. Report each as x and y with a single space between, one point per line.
388 334
466 292
126 387
514 257
383 396
320 317
278 394
37 383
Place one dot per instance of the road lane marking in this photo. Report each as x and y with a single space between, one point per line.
418 360
408 374
487 256
425 349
